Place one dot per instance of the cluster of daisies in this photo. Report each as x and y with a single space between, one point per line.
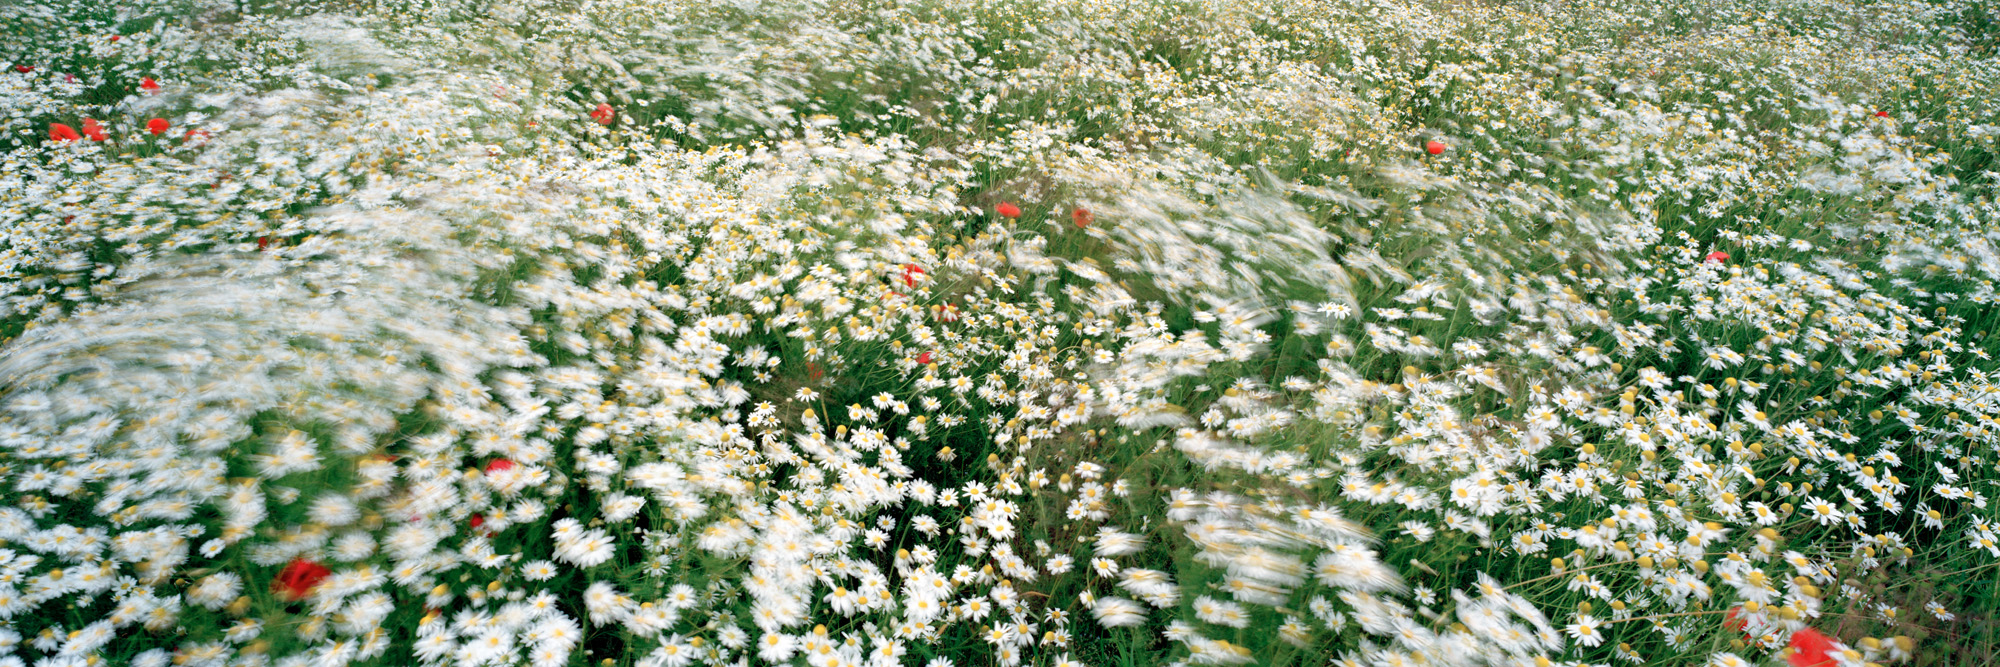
1093 332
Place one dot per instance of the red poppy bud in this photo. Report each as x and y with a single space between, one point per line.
1716 257
115 38
61 132
146 83
1007 209
93 130
497 465
1433 147
1810 648
603 114
1082 217
158 126
24 69
299 578
924 359
476 521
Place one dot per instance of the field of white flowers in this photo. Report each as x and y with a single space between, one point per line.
1120 333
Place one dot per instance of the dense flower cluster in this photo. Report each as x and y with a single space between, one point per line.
1093 332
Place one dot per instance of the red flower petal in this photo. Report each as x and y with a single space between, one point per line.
1007 210
1716 257
299 578
497 465
1082 217
158 126
1433 147
1810 648
1734 620
61 132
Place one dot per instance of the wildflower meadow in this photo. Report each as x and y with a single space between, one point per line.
957 333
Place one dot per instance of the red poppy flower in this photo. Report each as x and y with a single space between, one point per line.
197 133
1007 209
158 126
1434 147
263 242
603 114
146 83
947 312
115 38
476 521
298 579
24 69
924 359
497 465
1734 620
1809 648
910 273
1881 114
1082 217
93 130
61 132
1716 257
